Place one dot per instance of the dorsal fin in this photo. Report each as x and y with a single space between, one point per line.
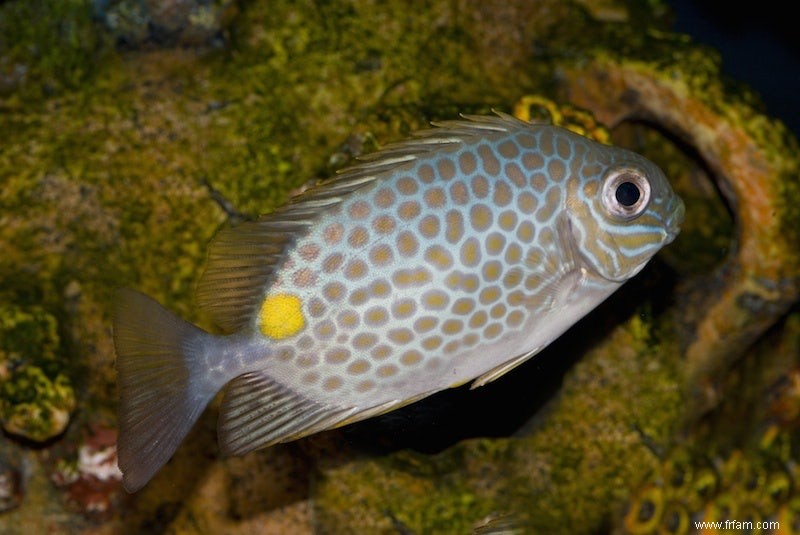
242 259
240 263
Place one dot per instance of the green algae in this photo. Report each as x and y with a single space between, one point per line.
411 491
787 182
36 395
47 47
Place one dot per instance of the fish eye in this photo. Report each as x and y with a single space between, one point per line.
626 193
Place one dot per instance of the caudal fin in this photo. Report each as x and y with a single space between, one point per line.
161 391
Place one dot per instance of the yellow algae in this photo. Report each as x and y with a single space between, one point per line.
538 108
281 316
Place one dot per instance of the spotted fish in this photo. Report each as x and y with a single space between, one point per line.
449 258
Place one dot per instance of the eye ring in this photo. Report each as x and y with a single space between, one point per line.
626 193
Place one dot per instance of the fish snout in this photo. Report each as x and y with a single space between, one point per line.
675 219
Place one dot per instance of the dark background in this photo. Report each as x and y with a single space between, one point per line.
760 45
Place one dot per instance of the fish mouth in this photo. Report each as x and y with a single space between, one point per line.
675 220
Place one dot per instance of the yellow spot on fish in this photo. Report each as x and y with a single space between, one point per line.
281 316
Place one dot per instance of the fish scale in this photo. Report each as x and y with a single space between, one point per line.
449 258
466 241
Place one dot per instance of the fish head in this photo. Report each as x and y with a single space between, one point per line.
622 213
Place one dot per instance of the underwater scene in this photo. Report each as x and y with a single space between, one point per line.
354 267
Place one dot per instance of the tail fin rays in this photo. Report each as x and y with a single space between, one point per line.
161 396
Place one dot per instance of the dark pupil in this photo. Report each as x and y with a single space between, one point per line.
627 193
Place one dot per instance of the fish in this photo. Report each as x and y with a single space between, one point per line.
451 257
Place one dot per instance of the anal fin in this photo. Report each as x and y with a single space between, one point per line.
258 412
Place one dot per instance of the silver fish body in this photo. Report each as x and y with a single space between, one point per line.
449 258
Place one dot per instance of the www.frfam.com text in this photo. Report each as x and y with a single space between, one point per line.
746 525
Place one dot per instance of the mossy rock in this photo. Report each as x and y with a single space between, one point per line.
36 396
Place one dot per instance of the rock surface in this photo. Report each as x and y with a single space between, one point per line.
119 163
